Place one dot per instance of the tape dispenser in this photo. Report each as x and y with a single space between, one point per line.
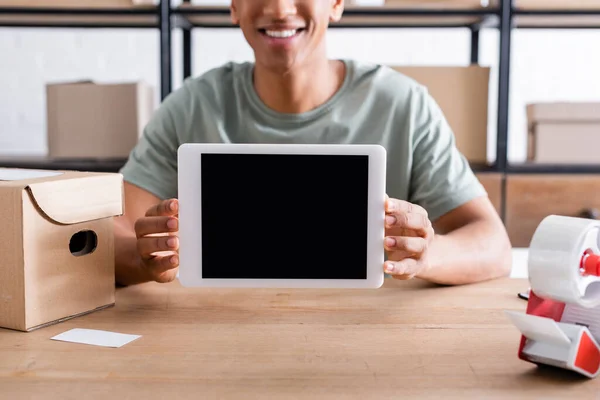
561 326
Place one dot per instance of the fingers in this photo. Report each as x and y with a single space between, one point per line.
162 269
409 251
410 231
402 270
417 222
157 243
406 244
148 246
395 206
152 225
405 218
164 208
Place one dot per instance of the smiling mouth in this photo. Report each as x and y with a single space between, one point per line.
282 33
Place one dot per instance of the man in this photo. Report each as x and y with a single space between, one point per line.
440 225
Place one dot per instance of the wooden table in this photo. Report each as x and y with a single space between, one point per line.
406 340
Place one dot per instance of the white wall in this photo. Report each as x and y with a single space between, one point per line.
547 65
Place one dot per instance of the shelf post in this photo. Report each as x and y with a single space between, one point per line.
506 19
187 48
165 48
474 44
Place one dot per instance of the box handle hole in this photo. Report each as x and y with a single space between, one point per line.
83 242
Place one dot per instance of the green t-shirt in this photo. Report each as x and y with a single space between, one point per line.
375 105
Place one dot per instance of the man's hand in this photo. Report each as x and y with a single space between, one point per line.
409 233
157 241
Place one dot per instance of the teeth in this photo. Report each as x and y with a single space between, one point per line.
282 34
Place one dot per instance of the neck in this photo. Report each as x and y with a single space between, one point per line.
301 89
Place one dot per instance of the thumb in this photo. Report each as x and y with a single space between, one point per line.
404 267
164 208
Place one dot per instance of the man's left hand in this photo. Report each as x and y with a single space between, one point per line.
409 234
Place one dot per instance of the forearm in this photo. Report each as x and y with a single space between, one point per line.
475 252
128 269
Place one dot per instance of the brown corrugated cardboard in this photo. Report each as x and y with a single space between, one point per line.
563 133
562 112
462 94
91 120
57 245
565 143
558 20
557 4
438 4
473 4
77 3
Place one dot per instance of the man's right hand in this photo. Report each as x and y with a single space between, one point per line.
157 241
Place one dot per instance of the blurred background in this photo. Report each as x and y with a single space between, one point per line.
484 61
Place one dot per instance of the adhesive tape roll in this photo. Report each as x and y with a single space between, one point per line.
555 254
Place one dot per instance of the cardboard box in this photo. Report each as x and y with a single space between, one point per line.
557 4
419 20
563 112
77 3
424 4
90 120
57 245
462 93
474 4
563 133
438 4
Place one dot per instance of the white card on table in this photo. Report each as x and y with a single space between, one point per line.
96 337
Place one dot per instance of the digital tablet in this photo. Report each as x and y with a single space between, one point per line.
281 216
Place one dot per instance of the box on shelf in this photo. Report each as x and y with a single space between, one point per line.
77 3
462 94
470 4
92 120
57 245
563 133
426 4
557 4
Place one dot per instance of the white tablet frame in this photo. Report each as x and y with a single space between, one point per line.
190 227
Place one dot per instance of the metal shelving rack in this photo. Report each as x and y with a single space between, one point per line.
537 17
506 17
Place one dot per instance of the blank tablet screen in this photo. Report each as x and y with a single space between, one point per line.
274 216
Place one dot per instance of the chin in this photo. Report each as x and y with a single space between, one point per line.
284 63
280 66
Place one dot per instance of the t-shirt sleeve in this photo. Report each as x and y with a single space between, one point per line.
152 164
441 177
